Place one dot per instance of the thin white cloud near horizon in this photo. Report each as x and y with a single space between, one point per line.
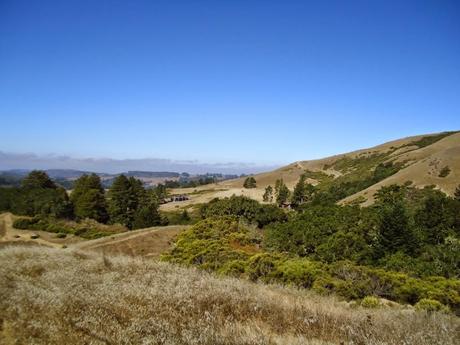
29 161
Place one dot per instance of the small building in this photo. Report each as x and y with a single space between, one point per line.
180 197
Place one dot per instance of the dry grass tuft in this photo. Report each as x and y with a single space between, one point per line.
52 296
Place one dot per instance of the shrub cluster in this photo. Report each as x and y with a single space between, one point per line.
228 247
245 208
88 229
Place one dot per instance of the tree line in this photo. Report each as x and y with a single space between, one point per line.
127 202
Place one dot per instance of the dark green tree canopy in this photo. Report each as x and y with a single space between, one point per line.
268 194
38 179
281 192
88 198
250 182
131 205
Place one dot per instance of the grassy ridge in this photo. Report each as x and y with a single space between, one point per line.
53 296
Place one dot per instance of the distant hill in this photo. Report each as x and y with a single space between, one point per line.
431 159
152 174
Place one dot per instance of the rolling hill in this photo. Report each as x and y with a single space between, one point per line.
431 159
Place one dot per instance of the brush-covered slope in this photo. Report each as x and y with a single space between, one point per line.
57 296
432 159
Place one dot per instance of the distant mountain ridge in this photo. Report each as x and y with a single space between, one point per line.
72 173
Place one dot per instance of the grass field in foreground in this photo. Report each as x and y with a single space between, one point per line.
61 296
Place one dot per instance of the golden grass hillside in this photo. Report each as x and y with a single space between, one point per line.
422 164
149 242
57 296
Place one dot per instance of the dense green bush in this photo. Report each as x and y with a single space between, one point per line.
431 305
325 232
228 247
244 207
370 302
87 229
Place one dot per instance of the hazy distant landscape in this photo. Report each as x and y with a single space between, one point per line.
371 242
230 172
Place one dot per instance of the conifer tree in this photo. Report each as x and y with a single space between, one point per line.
268 195
131 205
119 201
299 193
38 179
282 194
395 231
88 198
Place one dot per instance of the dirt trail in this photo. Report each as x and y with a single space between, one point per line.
150 242
12 236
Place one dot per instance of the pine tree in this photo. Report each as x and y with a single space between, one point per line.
40 195
119 201
395 230
38 179
146 215
88 198
131 205
283 192
299 193
268 195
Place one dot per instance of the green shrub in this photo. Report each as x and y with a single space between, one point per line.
262 266
324 285
431 305
88 229
243 207
370 302
444 172
25 223
298 272
61 235
234 268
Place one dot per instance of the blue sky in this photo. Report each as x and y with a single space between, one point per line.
263 82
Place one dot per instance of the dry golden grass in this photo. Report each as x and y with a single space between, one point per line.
11 236
56 296
423 167
150 242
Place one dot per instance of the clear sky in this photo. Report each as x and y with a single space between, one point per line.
267 82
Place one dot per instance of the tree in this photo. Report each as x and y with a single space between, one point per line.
160 192
146 215
298 195
131 205
390 194
38 179
250 182
457 193
39 195
122 203
282 192
395 232
268 195
88 198
302 193
436 218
